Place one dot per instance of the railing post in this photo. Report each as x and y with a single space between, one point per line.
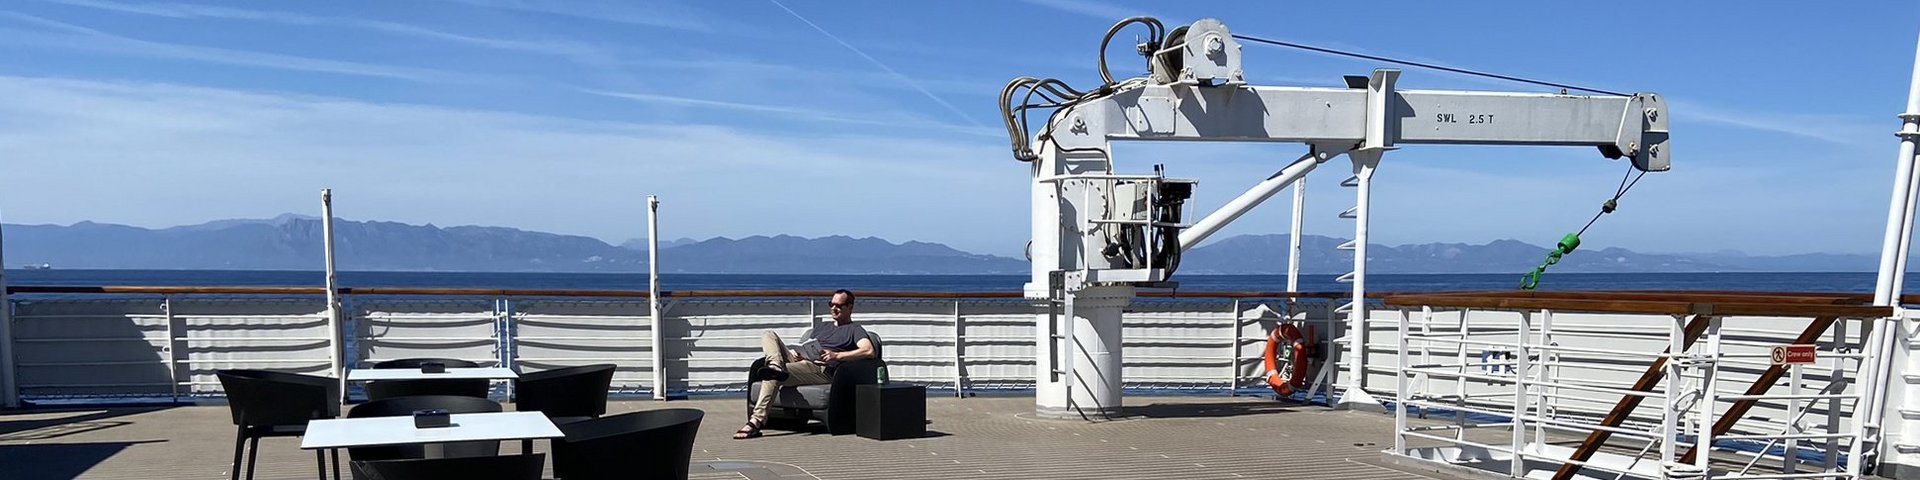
1233 357
173 369
1401 386
959 357
508 344
1542 404
1709 397
9 383
1518 464
1669 411
1789 461
1460 382
1837 374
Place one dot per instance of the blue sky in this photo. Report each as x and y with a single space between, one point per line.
877 118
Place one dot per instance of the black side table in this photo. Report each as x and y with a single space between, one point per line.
886 412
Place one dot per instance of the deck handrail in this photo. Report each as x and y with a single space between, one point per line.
1652 303
498 292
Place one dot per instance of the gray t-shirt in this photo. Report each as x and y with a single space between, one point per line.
831 336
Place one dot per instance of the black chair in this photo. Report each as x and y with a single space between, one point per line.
405 406
276 404
651 444
384 389
566 394
830 403
505 467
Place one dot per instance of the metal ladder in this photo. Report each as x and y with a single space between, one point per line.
1059 351
1345 305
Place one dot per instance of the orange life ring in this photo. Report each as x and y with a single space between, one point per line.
1285 376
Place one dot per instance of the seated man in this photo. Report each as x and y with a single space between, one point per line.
812 363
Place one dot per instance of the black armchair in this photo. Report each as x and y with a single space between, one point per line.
405 406
565 394
650 444
831 403
466 387
276 404
504 467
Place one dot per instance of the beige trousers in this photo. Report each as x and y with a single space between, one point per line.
799 372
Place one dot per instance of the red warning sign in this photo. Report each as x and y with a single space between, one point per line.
1793 354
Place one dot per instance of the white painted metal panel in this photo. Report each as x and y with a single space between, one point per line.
552 334
91 347
395 329
289 335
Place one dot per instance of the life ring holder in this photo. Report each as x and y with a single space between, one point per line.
1287 357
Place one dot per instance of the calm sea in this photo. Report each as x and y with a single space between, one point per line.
1771 282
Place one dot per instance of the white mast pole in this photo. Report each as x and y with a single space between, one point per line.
653 297
337 354
1893 256
1900 208
9 393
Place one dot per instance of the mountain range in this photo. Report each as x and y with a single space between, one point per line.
292 242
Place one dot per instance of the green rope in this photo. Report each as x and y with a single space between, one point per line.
1531 280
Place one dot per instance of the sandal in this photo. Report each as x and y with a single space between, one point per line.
748 431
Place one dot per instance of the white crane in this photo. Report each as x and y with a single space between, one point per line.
1098 234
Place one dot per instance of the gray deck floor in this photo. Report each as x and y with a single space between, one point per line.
980 437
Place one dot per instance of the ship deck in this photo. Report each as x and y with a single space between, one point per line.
1189 437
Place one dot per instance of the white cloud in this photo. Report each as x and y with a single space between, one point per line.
877 119
645 14
581 52
183 155
1088 8
1837 129
876 62
76 37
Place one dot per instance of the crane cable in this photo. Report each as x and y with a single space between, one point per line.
1531 280
1430 66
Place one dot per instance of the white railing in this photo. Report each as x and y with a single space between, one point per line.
1553 372
167 346
1518 381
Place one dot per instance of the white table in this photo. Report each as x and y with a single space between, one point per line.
466 427
487 373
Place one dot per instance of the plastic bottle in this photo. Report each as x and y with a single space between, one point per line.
881 374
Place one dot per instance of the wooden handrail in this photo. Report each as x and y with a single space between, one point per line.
1682 295
13 289
1660 303
497 292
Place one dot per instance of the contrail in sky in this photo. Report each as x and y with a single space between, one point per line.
876 62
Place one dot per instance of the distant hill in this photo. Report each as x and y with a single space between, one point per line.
292 242
1268 254
835 254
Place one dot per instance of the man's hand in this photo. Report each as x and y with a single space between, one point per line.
830 356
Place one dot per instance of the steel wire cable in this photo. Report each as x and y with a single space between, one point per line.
1443 68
